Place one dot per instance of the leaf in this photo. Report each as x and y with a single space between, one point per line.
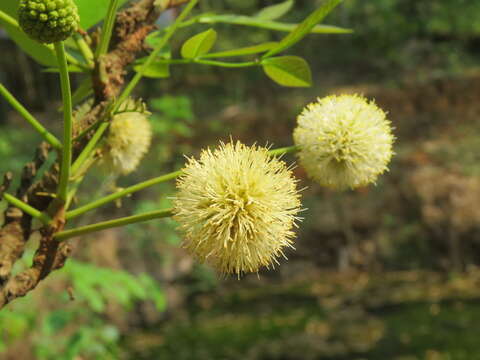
250 50
199 44
305 27
92 12
270 25
275 11
37 51
156 70
288 71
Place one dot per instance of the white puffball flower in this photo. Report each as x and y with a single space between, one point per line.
345 141
237 206
127 142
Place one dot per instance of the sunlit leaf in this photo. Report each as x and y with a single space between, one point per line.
276 11
288 71
199 44
305 27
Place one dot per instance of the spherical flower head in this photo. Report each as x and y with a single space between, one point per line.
237 207
345 141
48 21
127 142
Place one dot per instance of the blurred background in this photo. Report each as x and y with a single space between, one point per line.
385 272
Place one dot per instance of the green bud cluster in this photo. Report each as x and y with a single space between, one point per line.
48 21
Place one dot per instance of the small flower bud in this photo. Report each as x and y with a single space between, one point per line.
48 21
127 142
345 141
237 206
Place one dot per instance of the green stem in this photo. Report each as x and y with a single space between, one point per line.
82 133
77 178
107 29
4 17
44 218
84 49
284 150
49 137
74 61
213 63
145 184
67 123
83 90
67 234
153 55
87 150
119 194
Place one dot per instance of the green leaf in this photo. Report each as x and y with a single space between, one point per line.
275 11
92 12
250 50
156 70
288 71
199 44
305 27
269 25
37 51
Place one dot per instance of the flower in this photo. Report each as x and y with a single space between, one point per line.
127 142
48 21
345 141
237 206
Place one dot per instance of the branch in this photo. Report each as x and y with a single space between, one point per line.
131 28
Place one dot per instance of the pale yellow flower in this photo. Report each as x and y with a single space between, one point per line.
127 142
236 206
345 141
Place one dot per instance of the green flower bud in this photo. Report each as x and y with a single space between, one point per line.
48 21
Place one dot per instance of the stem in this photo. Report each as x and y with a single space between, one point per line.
84 49
67 234
89 147
107 29
44 218
49 137
77 178
119 194
284 150
8 19
82 134
67 122
213 63
171 30
83 90
75 62
145 184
